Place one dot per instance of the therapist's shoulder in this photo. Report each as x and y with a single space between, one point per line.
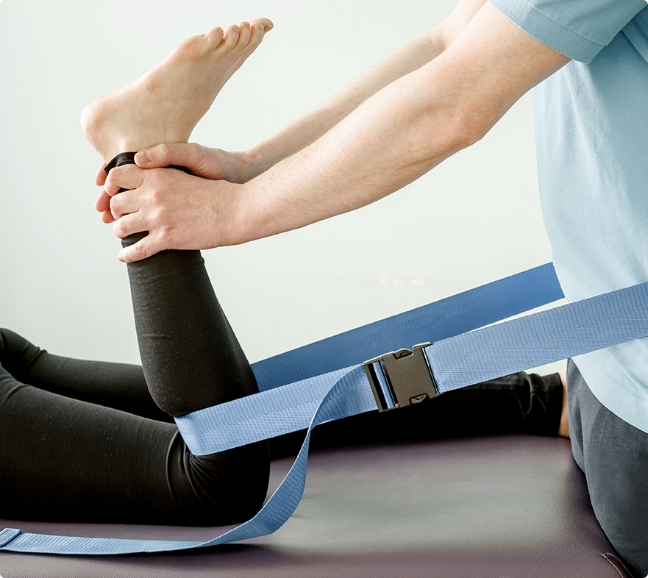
579 29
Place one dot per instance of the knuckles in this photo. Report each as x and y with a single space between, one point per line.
194 150
139 251
114 205
120 229
164 152
165 238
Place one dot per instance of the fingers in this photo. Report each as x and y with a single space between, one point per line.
163 155
149 245
102 205
192 156
103 202
129 225
124 177
100 178
123 204
107 218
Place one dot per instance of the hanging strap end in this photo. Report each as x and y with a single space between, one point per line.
8 535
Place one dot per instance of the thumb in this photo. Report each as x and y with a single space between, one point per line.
145 247
180 154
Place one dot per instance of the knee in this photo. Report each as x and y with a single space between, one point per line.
16 353
624 520
615 468
246 481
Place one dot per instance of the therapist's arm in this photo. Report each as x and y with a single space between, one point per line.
243 166
391 139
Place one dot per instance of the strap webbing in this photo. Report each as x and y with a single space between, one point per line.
457 361
462 312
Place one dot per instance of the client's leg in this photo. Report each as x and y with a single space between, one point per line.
63 459
67 460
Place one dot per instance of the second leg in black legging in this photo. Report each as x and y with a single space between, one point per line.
515 404
116 385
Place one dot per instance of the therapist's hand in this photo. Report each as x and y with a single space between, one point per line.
209 163
179 211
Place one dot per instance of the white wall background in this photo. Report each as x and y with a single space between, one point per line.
472 220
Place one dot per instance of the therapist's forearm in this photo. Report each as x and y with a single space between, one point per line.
390 140
306 130
400 133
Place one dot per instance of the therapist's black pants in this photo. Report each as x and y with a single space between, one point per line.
93 441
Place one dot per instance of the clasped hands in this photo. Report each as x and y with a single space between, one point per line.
201 210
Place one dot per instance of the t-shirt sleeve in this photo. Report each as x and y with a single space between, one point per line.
578 29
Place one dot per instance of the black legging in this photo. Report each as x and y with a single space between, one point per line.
87 441
94 441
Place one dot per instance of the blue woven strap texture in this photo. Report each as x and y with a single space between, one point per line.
457 361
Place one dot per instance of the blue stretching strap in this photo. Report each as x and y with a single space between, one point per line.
457 359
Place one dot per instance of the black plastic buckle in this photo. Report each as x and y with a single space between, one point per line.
401 378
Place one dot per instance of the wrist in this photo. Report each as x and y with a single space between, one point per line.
254 162
248 166
245 214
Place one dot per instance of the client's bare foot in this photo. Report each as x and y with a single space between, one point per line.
166 103
563 429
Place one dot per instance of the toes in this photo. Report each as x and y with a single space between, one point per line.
257 30
214 37
244 35
231 38
265 22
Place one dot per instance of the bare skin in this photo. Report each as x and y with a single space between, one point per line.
154 109
396 135
563 430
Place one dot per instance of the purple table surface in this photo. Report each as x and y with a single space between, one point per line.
511 506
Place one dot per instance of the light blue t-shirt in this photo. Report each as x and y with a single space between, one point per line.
592 142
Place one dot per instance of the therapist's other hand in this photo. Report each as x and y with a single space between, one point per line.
178 210
209 163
